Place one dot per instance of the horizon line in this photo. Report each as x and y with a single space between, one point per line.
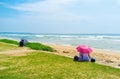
60 33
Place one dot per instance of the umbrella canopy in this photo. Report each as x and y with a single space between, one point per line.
24 40
84 49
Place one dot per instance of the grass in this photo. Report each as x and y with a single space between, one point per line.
9 41
6 47
38 46
41 65
35 46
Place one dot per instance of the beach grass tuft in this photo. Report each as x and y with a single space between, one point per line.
38 46
9 41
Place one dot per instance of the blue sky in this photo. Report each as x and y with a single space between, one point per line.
60 16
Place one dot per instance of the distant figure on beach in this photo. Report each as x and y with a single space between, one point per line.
21 43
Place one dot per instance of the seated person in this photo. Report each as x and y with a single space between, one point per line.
84 57
21 43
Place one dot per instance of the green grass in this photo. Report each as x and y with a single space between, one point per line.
35 46
9 41
41 65
6 47
38 46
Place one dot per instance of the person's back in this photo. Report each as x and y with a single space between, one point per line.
85 57
21 43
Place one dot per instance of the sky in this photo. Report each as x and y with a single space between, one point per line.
60 16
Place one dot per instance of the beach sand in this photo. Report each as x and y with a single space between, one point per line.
105 57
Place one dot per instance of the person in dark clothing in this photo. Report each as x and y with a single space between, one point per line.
21 43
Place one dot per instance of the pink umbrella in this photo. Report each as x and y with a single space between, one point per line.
84 49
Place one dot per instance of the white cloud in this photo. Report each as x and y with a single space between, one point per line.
63 13
50 5
88 1
42 6
55 10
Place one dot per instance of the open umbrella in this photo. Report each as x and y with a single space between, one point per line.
84 49
24 40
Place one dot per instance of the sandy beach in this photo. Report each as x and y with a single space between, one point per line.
105 57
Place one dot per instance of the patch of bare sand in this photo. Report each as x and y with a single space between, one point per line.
2 68
22 51
105 57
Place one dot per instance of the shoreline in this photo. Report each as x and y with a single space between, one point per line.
102 56
102 41
60 44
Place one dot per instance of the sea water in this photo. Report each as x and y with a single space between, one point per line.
100 41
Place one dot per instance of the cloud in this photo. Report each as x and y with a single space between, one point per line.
49 5
55 8
50 12
42 6
88 1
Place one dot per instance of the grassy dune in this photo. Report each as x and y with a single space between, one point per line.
36 46
42 65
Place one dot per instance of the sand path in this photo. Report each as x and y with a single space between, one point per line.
18 52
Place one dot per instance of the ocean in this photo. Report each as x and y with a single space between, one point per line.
99 41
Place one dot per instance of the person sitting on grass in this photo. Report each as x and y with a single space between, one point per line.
84 57
21 43
84 53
